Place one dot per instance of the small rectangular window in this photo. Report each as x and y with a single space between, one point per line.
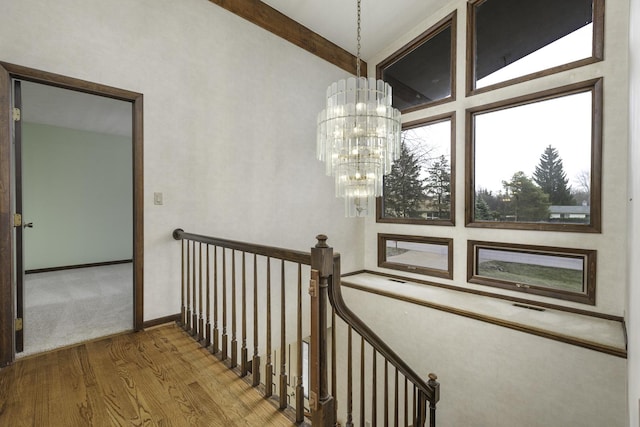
513 40
420 187
416 254
535 163
422 73
567 274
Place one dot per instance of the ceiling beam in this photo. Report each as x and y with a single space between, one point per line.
264 16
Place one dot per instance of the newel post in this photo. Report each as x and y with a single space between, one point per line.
321 402
435 386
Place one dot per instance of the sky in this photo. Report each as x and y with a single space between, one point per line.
512 140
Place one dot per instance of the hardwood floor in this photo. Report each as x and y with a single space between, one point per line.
159 377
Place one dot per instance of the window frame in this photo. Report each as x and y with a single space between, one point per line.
595 225
597 51
409 268
448 21
588 296
451 117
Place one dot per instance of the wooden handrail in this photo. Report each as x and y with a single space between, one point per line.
270 251
335 297
325 289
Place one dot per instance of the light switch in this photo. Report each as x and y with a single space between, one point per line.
157 198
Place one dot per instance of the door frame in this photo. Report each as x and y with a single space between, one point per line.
7 274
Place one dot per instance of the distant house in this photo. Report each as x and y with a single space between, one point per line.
579 213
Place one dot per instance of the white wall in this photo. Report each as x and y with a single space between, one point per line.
633 306
492 376
229 121
611 267
77 190
484 363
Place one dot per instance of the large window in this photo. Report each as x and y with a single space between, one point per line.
568 274
422 73
512 40
532 148
535 162
420 187
416 254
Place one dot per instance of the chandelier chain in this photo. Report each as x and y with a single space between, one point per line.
358 51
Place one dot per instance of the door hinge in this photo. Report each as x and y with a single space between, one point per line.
16 114
17 220
313 288
18 324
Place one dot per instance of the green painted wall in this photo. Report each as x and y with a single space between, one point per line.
77 191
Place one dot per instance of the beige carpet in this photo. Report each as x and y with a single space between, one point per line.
70 306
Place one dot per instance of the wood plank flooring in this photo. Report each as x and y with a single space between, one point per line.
159 377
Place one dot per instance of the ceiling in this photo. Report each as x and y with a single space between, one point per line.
382 21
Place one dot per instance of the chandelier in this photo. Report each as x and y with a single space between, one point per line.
358 138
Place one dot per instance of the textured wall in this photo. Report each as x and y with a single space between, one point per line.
611 243
492 376
229 121
633 308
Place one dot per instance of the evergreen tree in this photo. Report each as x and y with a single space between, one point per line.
482 211
403 188
438 186
552 179
524 201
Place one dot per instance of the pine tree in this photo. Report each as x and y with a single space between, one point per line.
552 179
438 186
482 211
524 201
404 190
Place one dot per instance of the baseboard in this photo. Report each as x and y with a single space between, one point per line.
161 321
71 267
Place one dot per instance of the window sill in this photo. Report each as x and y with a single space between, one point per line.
606 335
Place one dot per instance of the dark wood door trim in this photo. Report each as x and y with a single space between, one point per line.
17 187
7 309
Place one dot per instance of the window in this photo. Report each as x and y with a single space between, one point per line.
567 274
511 41
419 189
532 151
422 73
534 162
416 254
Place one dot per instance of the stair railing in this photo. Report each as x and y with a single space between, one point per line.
216 272
325 277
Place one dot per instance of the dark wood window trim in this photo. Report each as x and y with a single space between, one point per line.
597 51
7 306
446 22
595 86
587 296
383 262
451 117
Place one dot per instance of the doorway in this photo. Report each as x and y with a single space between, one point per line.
9 275
75 188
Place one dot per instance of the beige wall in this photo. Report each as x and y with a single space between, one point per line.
229 132
229 121
633 307
492 376
611 268
515 369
